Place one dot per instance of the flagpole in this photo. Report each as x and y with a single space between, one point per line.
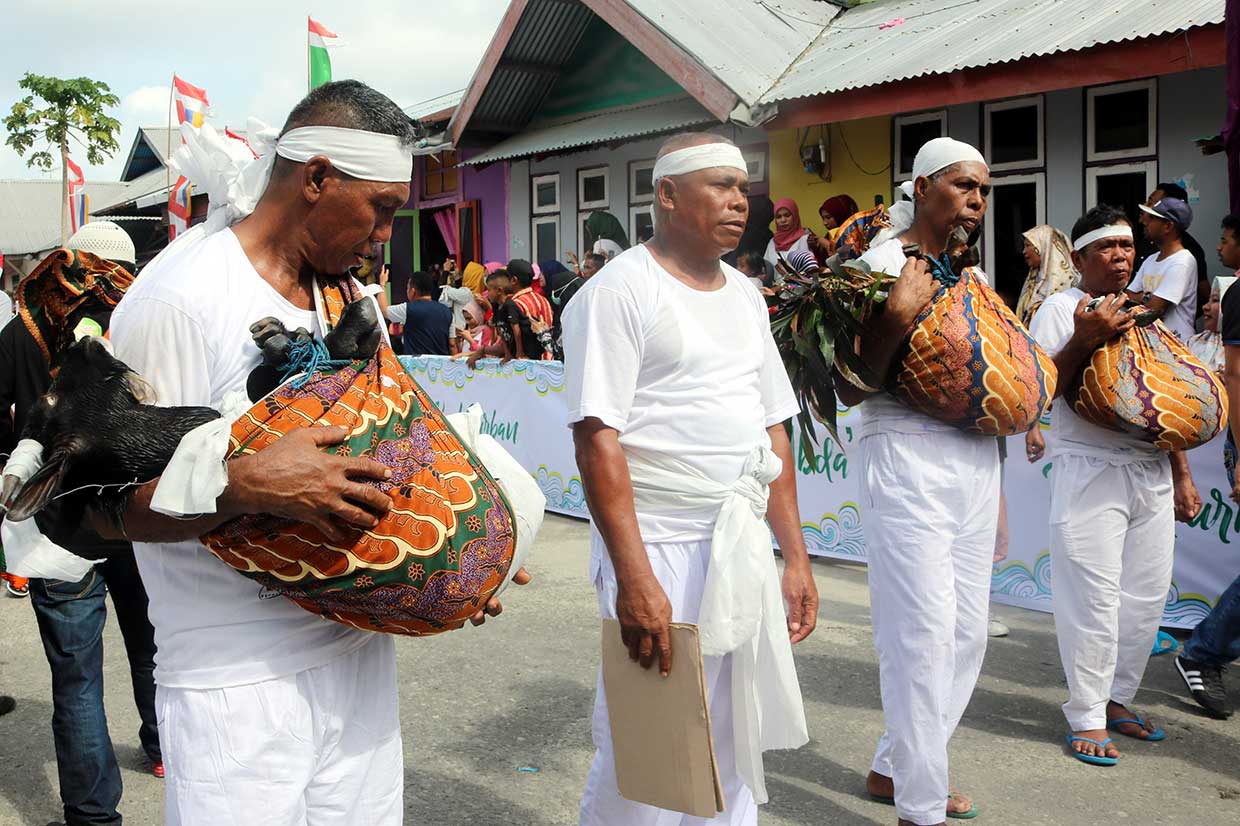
308 79
168 157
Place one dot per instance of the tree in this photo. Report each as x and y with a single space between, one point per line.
72 108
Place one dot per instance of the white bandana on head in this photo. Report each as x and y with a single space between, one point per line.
1110 231
696 158
369 156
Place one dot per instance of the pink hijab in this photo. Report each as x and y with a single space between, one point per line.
784 240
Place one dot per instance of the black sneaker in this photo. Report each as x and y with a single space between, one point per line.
1205 683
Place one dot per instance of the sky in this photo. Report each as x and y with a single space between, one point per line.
249 55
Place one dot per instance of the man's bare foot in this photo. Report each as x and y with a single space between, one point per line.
1092 749
1115 711
957 803
883 787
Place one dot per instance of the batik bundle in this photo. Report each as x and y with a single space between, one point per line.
970 363
68 283
1147 383
440 553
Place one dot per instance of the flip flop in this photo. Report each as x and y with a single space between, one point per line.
1089 758
1137 720
891 801
1164 643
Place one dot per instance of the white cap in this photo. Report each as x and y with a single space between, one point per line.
940 153
106 240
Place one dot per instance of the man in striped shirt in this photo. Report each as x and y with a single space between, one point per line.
535 315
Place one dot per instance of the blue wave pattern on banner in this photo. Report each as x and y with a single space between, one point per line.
565 498
837 533
545 376
1184 609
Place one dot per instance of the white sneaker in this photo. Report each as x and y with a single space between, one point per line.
996 628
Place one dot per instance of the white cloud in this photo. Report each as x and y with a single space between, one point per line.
146 105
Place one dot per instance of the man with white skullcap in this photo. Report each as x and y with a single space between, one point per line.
932 502
677 399
1114 502
270 714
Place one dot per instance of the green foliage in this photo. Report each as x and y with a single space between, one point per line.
58 112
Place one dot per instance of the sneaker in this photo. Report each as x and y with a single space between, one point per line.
157 769
1205 683
17 586
995 628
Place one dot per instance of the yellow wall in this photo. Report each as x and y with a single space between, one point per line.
870 141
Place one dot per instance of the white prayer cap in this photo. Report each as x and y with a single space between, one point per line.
940 153
106 240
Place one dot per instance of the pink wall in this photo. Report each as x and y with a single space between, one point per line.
489 187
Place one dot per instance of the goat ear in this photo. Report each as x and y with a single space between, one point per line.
37 492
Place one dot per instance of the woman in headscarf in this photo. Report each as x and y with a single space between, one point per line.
474 277
790 236
605 235
1208 344
1049 256
834 212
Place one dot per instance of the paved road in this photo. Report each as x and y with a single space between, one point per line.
482 706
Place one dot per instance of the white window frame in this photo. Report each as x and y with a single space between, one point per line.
1092 173
581 233
940 115
535 181
1034 101
535 222
755 158
634 211
634 166
593 172
1151 146
988 224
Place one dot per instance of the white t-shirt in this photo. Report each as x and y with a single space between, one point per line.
772 256
1174 279
881 413
185 327
455 299
1052 327
676 371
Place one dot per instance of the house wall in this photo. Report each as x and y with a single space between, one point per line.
566 165
488 186
862 173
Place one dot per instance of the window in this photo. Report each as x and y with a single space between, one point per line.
1124 186
1014 134
592 189
440 175
545 193
641 182
545 238
641 223
755 160
911 131
584 244
1121 121
1017 205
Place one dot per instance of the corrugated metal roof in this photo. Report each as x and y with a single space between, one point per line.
435 105
30 212
939 37
747 44
599 128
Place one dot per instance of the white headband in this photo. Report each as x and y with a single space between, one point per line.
940 153
369 156
1111 231
695 158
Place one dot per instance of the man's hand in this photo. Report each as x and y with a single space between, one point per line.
913 290
1035 444
475 357
296 480
645 622
801 599
1096 327
383 276
1187 499
494 606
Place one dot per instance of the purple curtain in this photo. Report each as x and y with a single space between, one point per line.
1231 126
445 219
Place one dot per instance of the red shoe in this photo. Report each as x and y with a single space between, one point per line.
157 769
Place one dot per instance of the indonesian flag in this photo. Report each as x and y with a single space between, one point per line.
179 199
192 106
320 39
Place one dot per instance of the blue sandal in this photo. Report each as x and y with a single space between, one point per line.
1137 720
1091 759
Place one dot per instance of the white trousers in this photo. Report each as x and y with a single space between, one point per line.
681 571
317 748
932 507
1112 543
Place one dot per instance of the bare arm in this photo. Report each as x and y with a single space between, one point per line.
641 605
1187 499
800 590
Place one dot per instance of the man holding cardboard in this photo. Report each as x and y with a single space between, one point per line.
678 400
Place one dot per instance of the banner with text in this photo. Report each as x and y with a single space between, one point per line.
524 407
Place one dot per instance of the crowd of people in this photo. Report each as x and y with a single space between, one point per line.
684 454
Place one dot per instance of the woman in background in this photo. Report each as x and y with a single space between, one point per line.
1208 344
790 236
1049 256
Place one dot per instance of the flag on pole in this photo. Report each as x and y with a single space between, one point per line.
179 200
320 40
76 178
192 106
79 202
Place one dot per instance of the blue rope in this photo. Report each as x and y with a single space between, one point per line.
941 269
308 357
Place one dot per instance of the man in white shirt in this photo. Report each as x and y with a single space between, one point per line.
931 494
1114 501
1167 280
267 712
678 399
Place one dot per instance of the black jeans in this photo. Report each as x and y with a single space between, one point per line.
71 617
